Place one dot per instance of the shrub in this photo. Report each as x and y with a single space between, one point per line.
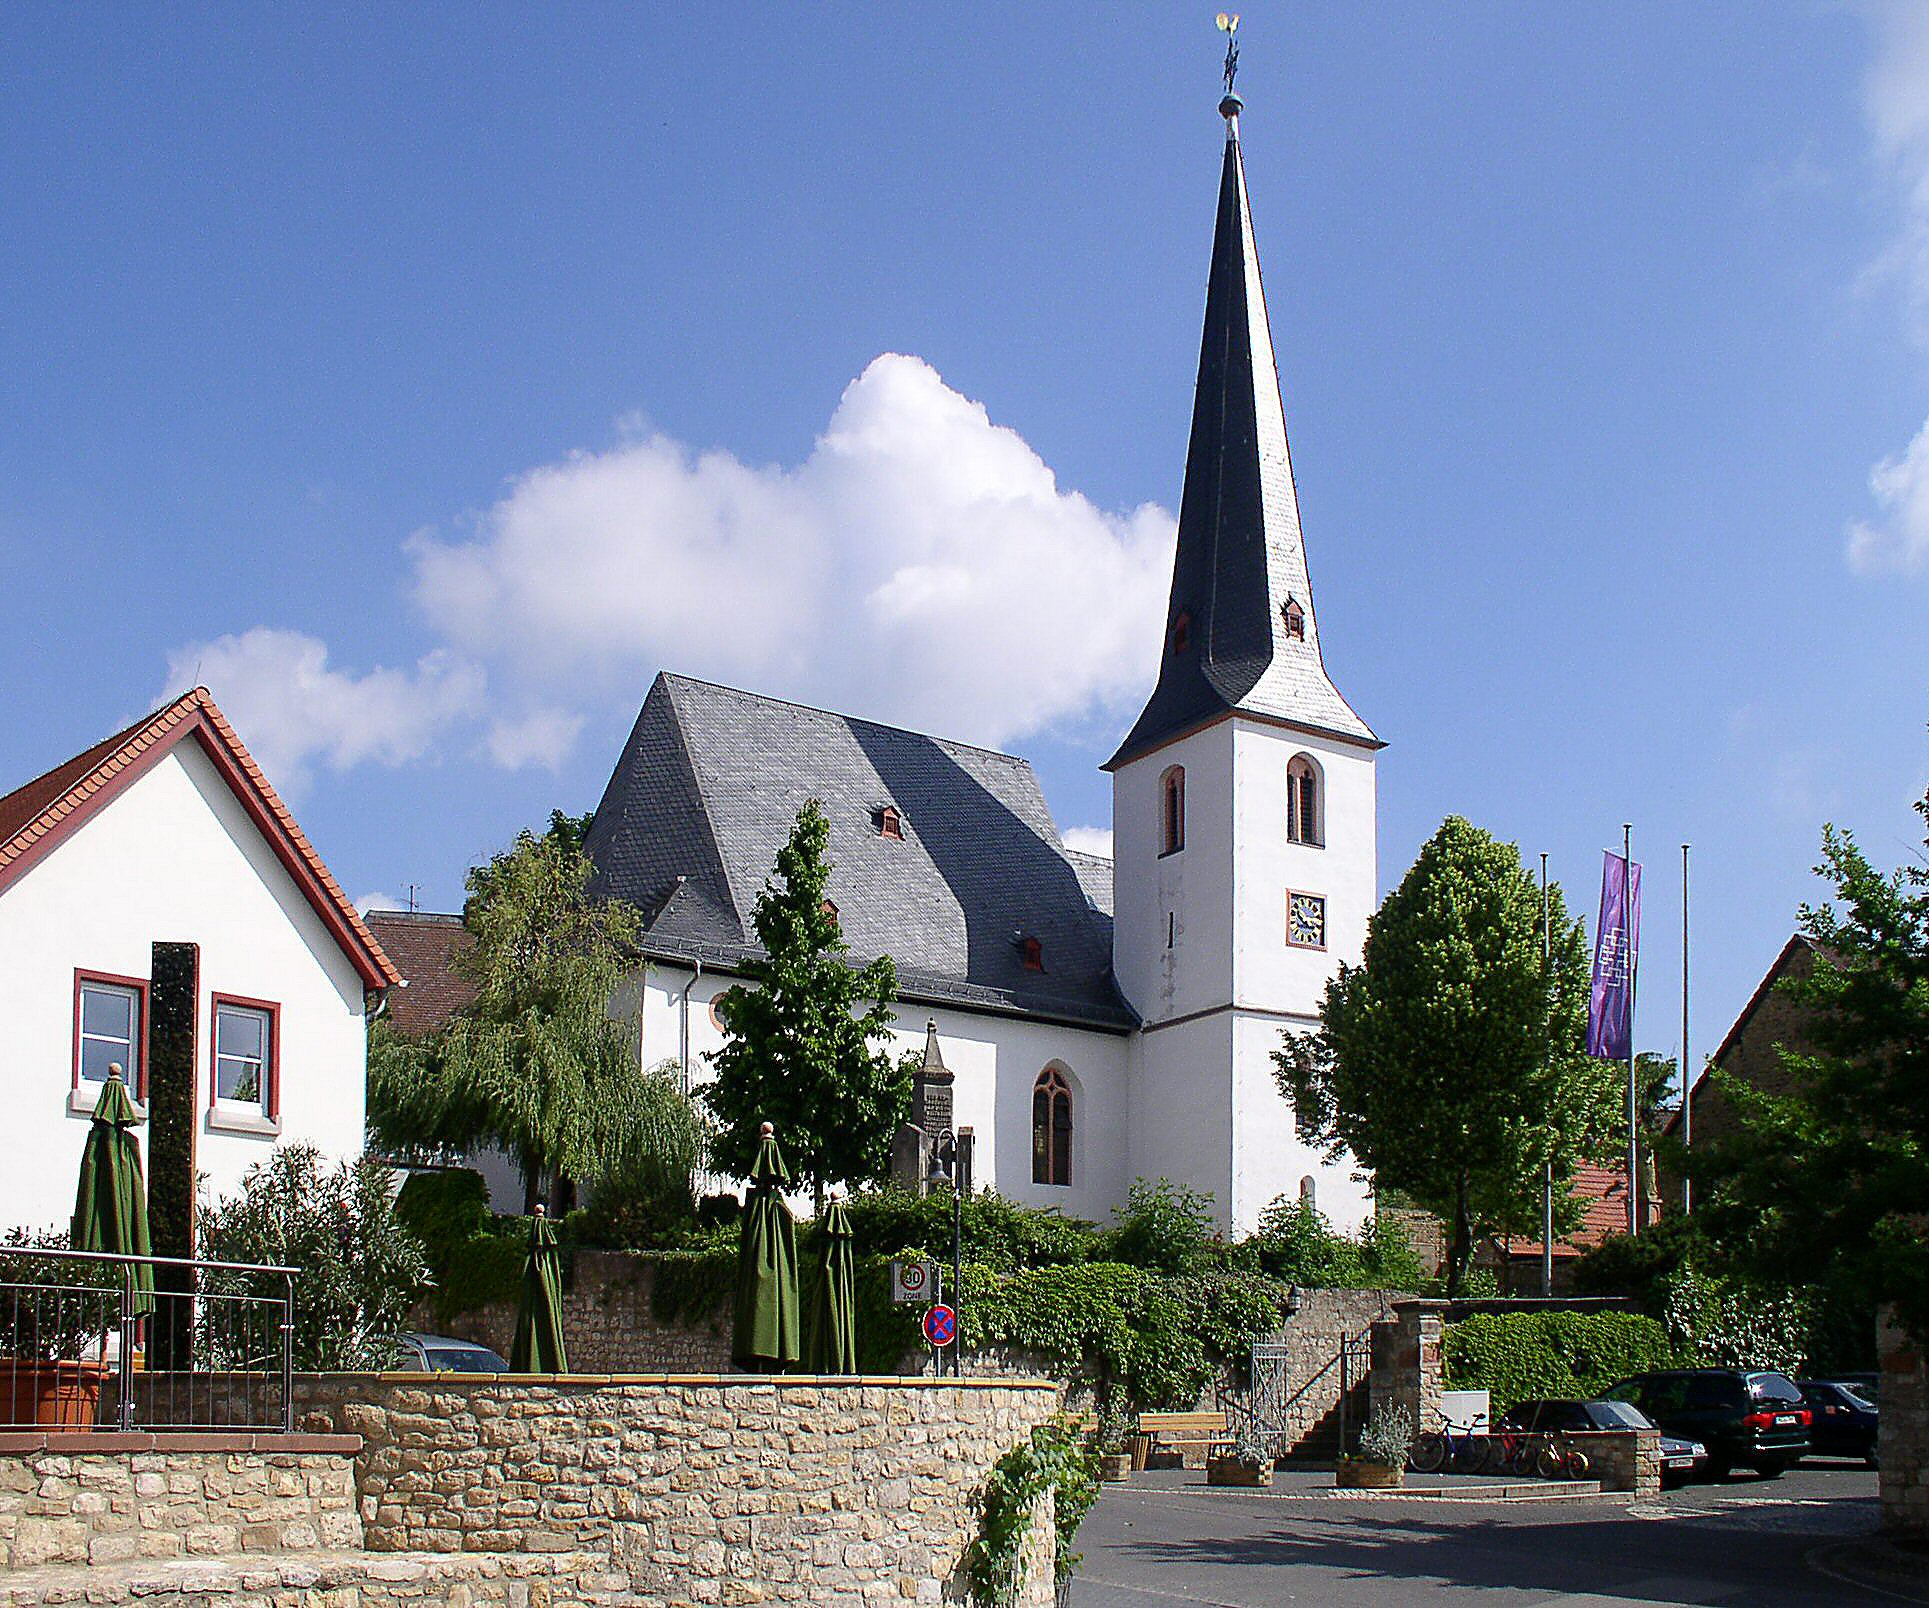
361 1269
998 1233
1055 1460
1724 1323
1520 1356
1166 1228
1296 1243
1387 1438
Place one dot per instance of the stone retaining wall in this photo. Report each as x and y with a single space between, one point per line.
1622 1459
732 1489
1903 1448
99 1499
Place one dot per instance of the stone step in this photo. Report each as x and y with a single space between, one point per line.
324 1580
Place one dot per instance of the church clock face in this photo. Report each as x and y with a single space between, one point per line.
1306 920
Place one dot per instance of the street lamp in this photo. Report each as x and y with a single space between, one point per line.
945 1170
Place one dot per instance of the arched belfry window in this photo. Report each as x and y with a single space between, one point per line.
1305 805
1172 810
1051 1128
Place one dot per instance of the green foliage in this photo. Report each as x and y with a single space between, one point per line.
803 1031
1052 1460
475 1256
48 1328
361 1269
1831 1176
1295 1243
1387 1438
1640 1265
1522 1356
998 1233
444 1208
1723 1323
536 1065
1449 1063
693 1287
1167 1228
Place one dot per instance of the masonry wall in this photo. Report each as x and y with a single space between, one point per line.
1903 1447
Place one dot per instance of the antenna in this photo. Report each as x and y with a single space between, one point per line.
1228 24
415 890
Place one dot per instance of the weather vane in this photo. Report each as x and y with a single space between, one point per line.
1229 26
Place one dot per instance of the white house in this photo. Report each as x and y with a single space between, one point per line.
161 910
1091 1022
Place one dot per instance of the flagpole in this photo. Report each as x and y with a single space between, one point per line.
1627 959
1547 1178
1687 1066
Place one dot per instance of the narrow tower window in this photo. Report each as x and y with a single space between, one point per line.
1051 1128
1172 810
1182 632
1295 619
1305 822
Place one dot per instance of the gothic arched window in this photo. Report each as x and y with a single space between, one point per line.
1172 810
1051 1128
1305 809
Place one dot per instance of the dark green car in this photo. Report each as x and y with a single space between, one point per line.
1746 1419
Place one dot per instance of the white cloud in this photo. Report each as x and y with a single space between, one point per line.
294 712
378 901
542 737
1089 840
921 565
1901 487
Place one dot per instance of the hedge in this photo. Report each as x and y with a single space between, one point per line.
1528 1355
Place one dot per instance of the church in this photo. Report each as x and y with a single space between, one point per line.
1087 1023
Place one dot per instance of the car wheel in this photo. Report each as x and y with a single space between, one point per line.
1771 1468
1719 1468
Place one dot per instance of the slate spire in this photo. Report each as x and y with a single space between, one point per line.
1240 628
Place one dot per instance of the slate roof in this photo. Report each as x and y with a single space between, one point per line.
1240 557
709 786
424 946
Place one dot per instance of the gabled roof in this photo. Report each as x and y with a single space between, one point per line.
37 818
708 788
1603 1194
425 946
1241 560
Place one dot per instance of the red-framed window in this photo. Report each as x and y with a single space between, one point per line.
110 1026
244 1056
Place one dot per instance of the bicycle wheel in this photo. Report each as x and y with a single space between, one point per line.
1550 1460
1470 1453
1429 1453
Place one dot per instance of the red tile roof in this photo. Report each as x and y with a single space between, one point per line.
425 947
37 817
1603 1194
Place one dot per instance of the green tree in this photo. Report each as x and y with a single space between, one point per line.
537 1065
803 1034
1449 1062
1833 1175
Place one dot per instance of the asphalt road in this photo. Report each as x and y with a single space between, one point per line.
1747 1543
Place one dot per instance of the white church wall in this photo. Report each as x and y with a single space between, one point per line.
1269 1157
173 858
1182 1111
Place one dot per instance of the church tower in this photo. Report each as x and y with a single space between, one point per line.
1243 798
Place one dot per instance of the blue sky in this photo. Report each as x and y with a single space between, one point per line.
426 377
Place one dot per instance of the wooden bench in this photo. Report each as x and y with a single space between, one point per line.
1186 1436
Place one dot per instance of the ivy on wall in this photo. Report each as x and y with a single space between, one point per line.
1525 1356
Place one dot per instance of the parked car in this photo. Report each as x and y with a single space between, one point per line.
1866 1385
1843 1422
438 1353
1680 1459
1745 1418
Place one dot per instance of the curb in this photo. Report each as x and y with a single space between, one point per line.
1872 1564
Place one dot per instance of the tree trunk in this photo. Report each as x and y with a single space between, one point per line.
532 1189
1461 1249
562 1197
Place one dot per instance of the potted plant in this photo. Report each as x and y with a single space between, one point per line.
1380 1462
48 1324
1247 1460
1114 1461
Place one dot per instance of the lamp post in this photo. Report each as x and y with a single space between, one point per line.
945 1169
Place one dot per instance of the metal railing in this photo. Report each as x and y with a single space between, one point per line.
85 1344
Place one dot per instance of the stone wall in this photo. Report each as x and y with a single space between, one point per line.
1407 1362
782 1490
610 1320
1300 1397
1903 1448
1622 1459
103 1499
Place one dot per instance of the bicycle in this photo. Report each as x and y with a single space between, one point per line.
1439 1449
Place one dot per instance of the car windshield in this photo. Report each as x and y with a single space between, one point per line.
1773 1387
1861 1395
1617 1415
463 1359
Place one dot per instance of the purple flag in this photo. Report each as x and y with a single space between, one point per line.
1617 949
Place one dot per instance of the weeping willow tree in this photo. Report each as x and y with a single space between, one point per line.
536 1065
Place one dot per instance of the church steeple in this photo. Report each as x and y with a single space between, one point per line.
1241 634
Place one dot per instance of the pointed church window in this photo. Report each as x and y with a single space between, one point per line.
1305 821
1172 810
1051 1128
1295 618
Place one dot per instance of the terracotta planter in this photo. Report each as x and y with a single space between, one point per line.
1114 1466
1230 1471
60 1395
1355 1474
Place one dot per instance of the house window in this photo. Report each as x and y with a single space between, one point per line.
246 1056
110 1029
1306 920
1032 951
830 910
1182 632
1295 620
1304 822
1172 810
890 823
1051 1128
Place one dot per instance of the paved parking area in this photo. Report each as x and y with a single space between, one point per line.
1746 1543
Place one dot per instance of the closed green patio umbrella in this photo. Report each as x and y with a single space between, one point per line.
765 1336
831 1346
539 1346
110 1208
